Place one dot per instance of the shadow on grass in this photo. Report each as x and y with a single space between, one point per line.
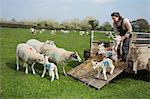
12 65
143 75
73 64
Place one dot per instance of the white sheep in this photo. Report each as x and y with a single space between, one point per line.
104 64
53 32
64 31
42 30
52 69
60 56
118 41
28 55
81 33
112 54
101 48
33 31
87 33
40 47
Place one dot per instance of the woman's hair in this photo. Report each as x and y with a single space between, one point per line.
116 14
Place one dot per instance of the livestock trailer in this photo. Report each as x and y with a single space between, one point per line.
138 58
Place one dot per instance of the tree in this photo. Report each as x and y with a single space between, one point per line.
3 20
140 25
94 23
66 25
84 24
13 20
75 24
106 26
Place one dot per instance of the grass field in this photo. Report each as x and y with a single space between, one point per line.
16 84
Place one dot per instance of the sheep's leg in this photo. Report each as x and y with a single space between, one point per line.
121 44
64 70
104 73
33 68
26 66
51 73
56 72
112 69
98 73
116 47
17 62
44 71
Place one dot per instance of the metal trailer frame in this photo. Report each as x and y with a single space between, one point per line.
86 74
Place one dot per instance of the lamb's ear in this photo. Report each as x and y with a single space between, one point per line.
46 42
76 52
45 56
92 60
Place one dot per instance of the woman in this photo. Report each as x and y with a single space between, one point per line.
122 27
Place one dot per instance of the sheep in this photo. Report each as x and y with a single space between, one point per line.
118 40
101 48
60 56
53 32
42 30
40 47
52 69
87 33
81 33
33 30
64 31
28 55
111 54
108 34
104 64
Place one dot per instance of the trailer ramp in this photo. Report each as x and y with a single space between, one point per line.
86 74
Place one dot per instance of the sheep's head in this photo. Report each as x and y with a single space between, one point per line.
75 57
51 43
101 48
94 64
41 59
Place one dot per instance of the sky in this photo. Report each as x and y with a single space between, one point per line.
60 10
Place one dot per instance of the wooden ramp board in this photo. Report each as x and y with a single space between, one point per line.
86 74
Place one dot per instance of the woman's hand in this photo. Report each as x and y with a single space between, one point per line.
125 36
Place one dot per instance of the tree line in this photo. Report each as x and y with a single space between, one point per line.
87 23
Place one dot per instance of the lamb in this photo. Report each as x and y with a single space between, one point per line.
118 40
104 64
28 55
60 56
40 47
52 69
101 48
111 54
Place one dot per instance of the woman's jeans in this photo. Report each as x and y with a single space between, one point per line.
125 49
